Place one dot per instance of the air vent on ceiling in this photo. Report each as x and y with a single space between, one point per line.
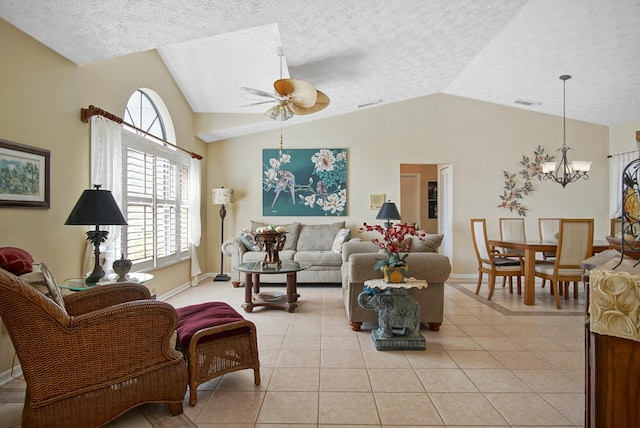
371 103
527 102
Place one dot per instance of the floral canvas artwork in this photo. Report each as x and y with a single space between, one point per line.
304 182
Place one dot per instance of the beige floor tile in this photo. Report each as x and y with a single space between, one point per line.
457 343
294 379
352 380
395 380
490 380
466 409
561 359
406 409
480 330
430 360
342 359
289 408
518 360
501 343
386 359
231 407
269 342
297 358
548 381
11 414
445 380
570 405
461 320
475 359
536 343
347 408
340 343
306 343
526 409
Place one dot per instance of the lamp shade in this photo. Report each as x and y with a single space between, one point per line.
96 207
221 196
388 212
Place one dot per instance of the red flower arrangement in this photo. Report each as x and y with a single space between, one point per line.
396 239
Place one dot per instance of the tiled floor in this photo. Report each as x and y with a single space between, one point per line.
497 364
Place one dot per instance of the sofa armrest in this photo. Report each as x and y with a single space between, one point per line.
235 249
357 246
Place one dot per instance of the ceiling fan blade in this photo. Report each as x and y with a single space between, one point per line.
321 103
257 103
299 92
261 93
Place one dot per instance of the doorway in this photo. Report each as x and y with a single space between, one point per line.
425 199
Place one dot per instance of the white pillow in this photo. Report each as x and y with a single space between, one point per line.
342 236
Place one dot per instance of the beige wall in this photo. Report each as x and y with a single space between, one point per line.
42 94
479 139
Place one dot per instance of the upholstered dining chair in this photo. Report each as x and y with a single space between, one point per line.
615 226
548 229
511 229
92 356
493 262
575 244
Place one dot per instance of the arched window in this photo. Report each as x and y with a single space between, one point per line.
155 185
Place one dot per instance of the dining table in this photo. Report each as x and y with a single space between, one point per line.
530 248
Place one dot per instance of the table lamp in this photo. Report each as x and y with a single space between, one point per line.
96 207
222 197
388 212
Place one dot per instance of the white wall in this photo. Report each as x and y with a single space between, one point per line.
479 139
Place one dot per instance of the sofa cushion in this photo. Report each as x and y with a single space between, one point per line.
293 231
318 237
15 260
342 236
428 244
319 258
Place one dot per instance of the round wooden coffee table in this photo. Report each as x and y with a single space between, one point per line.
252 295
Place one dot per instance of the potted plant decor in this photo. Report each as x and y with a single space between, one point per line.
396 244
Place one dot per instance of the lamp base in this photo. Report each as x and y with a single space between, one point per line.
95 276
222 277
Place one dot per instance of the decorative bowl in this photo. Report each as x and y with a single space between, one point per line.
631 247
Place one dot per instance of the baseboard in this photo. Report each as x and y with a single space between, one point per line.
464 276
9 375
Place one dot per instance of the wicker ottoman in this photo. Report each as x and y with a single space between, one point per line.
215 339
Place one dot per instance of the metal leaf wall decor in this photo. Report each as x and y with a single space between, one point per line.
519 185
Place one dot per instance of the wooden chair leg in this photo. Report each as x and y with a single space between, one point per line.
479 282
519 281
556 294
575 290
510 284
504 281
492 285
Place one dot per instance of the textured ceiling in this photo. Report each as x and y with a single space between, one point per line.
359 53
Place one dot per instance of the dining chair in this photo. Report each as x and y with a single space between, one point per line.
511 229
575 244
548 229
616 226
493 262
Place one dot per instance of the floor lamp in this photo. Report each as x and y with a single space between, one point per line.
222 197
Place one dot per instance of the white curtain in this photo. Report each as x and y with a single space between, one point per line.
194 218
617 163
106 170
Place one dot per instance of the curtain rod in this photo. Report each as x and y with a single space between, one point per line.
86 113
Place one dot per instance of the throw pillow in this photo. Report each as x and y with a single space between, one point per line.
248 238
54 290
15 260
429 243
342 236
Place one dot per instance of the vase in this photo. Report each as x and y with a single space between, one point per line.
272 243
122 268
396 274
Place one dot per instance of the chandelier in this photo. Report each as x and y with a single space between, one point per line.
564 172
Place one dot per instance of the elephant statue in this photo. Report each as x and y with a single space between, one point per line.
396 310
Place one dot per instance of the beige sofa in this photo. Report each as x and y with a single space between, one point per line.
311 243
357 267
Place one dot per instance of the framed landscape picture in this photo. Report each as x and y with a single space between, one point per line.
24 176
304 182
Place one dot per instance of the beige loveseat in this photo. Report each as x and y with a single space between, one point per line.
311 243
357 267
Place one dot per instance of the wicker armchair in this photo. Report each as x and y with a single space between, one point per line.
109 352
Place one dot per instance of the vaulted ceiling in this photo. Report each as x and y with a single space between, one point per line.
363 54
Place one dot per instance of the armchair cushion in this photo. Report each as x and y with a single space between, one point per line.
15 260
42 280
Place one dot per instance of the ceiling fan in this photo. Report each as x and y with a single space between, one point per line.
293 96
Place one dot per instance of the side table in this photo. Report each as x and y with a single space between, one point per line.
398 314
79 284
